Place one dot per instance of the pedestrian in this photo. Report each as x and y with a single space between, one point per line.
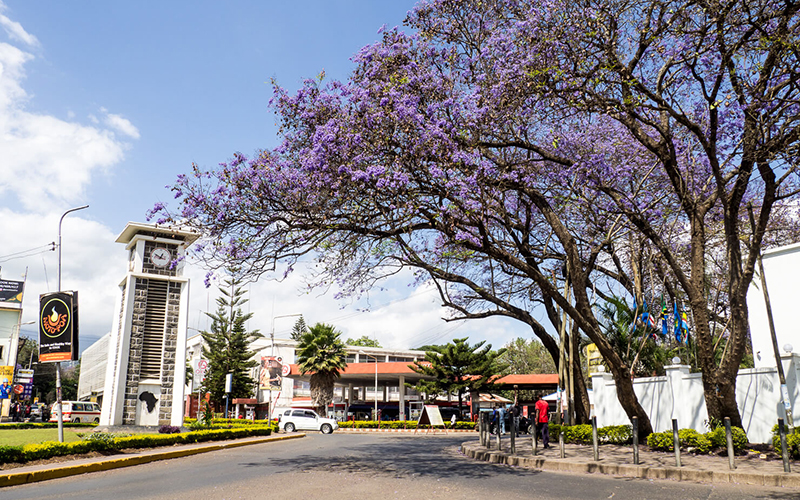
542 419
493 424
501 418
453 421
515 411
13 411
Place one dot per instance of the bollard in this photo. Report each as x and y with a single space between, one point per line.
635 425
677 442
535 440
513 436
499 442
561 443
784 451
594 440
479 424
729 439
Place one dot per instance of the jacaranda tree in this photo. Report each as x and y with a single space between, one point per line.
521 153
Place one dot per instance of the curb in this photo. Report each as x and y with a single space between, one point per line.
16 478
406 431
785 480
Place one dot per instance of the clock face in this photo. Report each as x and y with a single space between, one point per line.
160 257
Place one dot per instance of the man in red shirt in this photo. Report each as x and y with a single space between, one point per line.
541 421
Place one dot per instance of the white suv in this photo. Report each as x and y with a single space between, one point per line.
306 420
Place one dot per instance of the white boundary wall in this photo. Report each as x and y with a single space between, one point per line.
679 395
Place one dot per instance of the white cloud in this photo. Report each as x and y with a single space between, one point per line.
47 163
15 30
121 124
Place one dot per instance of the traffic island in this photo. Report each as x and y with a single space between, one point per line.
32 474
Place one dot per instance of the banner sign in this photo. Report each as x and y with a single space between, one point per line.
6 377
58 327
271 377
11 291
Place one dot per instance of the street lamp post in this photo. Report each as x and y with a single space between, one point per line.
58 364
272 354
376 380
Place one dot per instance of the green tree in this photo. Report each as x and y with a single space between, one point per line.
523 356
459 368
638 349
364 341
226 346
321 353
299 328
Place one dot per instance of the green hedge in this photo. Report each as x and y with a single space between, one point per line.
107 442
396 424
792 442
45 425
699 443
582 434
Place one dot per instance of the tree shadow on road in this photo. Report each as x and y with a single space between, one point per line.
398 457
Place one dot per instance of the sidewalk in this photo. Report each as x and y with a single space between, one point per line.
43 472
618 461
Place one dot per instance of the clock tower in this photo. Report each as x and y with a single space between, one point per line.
147 351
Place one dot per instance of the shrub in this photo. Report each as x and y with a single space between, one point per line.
718 439
792 442
102 441
169 429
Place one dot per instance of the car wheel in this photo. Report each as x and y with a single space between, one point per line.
76 421
326 428
97 420
289 427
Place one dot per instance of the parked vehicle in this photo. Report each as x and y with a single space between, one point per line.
36 411
300 419
77 412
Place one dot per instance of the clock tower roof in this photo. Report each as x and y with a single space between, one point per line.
176 233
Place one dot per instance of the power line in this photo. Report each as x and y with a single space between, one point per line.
50 247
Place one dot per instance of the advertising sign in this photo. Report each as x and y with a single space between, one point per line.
271 377
11 291
593 358
58 327
6 377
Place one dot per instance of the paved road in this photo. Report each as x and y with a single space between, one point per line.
367 466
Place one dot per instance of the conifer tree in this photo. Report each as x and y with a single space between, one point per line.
227 345
299 328
458 367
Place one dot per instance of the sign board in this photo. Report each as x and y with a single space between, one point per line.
23 376
58 327
202 365
593 358
11 291
271 376
431 415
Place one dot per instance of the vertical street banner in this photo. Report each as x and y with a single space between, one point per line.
271 376
11 291
58 327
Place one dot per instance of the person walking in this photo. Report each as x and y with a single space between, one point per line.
542 419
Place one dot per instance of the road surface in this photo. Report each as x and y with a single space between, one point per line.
362 466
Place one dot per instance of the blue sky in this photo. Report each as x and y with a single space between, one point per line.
105 103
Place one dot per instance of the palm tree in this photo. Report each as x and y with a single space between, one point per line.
321 353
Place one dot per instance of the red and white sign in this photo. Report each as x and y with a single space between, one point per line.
286 370
202 365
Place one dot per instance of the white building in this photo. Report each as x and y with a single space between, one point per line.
94 361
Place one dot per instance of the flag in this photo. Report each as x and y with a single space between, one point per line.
677 319
664 318
684 327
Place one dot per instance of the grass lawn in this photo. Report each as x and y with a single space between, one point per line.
26 436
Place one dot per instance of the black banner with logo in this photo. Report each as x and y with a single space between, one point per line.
58 327
11 291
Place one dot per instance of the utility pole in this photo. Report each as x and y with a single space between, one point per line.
787 406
